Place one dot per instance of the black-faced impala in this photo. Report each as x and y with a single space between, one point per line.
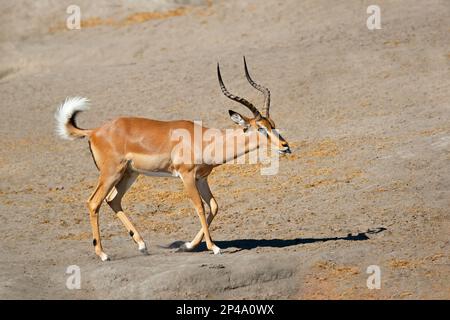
126 147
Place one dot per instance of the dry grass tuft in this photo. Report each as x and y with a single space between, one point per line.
334 270
134 18
76 236
402 264
151 225
140 17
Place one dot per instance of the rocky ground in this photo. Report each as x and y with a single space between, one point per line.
366 113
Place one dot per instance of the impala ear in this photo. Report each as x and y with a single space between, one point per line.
238 119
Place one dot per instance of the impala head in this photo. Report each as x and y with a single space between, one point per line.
263 124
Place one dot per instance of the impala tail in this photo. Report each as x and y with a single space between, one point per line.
65 115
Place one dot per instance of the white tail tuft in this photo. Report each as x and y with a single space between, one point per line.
65 112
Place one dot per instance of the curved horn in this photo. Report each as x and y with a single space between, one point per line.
249 105
264 90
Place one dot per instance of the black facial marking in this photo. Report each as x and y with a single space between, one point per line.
94 242
131 233
263 131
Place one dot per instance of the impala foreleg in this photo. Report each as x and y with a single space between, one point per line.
194 194
208 198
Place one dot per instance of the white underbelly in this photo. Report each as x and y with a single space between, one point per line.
151 165
156 173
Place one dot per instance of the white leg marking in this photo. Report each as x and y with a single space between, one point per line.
216 250
142 246
112 194
104 256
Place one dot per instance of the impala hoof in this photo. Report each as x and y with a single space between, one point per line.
216 250
143 248
104 257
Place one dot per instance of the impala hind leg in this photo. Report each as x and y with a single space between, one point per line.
104 186
194 194
114 200
208 198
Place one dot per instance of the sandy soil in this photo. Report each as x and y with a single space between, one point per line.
366 112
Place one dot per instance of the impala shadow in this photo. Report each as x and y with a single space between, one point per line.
248 244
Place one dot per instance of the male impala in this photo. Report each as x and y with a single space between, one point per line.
126 147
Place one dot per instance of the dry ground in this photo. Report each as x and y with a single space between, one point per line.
366 112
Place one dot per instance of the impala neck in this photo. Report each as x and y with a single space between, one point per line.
234 144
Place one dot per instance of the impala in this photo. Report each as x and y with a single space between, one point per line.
124 148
